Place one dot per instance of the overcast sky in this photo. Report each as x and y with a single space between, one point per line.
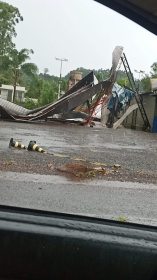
82 31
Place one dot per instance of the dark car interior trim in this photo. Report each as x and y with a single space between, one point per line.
134 10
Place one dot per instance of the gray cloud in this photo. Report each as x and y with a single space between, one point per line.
85 32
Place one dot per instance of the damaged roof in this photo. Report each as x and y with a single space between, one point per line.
77 96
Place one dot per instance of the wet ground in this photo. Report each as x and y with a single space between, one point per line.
124 201
134 151
35 180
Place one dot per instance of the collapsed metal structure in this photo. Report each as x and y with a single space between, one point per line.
85 93
82 100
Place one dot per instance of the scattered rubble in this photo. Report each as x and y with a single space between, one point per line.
117 165
86 170
51 166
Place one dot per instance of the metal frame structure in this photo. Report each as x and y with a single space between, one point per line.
136 92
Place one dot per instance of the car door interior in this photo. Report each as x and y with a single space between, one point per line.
45 245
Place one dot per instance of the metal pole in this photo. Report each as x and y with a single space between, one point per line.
60 75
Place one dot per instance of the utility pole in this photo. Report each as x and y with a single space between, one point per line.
60 75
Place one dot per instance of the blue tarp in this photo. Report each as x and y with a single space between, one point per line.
120 97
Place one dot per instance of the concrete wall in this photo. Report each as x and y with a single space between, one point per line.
4 94
8 95
134 120
19 96
75 77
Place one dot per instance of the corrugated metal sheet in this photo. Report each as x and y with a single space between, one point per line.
12 108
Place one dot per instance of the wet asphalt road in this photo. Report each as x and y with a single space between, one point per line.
133 202
132 149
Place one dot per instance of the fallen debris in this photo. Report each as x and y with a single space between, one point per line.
100 164
86 94
9 163
117 165
85 171
51 166
87 101
126 114
74 168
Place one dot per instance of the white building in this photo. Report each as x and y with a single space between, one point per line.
153 84
6 92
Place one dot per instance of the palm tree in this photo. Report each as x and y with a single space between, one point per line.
18 66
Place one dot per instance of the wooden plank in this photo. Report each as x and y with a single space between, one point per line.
127 113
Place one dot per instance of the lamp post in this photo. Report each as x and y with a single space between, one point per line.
60 75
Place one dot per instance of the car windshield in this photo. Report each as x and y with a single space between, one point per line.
78 110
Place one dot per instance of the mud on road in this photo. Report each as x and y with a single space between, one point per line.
68 145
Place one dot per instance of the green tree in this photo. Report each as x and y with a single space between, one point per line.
9 17
123 82
49 93
18 66
30 104
35 87
4 66
64 85
43 90
3 79
145 84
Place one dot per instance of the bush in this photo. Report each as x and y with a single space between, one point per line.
30 104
